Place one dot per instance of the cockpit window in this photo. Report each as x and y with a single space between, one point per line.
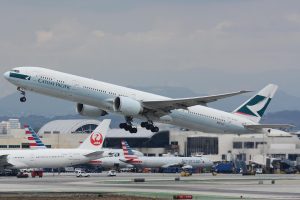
15 70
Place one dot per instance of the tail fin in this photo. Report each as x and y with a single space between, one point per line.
255 107
34 140
95 140
128 153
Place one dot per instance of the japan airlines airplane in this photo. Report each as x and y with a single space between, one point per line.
95 99
163 162
110 156
89 150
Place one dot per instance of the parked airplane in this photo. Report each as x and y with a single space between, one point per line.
95 99
162 162
109 160
90 149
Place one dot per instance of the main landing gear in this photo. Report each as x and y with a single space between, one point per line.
132 129
128 125
23 98
149 126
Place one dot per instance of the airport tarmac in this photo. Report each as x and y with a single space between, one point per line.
201 186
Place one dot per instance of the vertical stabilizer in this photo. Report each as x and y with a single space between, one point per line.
95 140
255 107
34 140
128 153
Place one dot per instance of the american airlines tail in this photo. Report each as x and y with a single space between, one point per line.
34 140
256 106
128 153
96 139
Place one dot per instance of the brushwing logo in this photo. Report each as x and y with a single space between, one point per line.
96 139
256 106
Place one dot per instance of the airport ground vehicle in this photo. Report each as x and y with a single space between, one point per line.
37 173
112 173
22 175
186 172
82 174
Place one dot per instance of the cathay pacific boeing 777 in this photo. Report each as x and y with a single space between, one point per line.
95 98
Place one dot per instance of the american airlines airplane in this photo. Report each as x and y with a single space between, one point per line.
95 99
162 162
90 149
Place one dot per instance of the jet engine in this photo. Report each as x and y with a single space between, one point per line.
127 106
89 111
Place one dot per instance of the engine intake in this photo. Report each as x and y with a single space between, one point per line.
90 111
127 106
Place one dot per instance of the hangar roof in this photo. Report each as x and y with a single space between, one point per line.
69 126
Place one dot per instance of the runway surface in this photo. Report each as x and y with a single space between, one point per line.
201 186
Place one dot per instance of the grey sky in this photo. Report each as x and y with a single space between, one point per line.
207 46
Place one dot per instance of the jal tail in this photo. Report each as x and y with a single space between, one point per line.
256 106
95 140
128 153
34 140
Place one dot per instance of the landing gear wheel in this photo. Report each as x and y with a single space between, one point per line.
154 129
122 125
133 130
149 126
23 99
144 124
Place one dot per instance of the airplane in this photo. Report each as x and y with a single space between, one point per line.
90 149
162 162
96 99
109 160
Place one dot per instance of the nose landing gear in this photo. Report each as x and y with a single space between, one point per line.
23 98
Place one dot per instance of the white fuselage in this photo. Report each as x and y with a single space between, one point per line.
46 158
100 94
162 162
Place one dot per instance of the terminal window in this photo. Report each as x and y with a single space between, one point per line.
249 145
202 145
237 145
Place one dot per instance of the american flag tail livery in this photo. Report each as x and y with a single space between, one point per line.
128 153
34 139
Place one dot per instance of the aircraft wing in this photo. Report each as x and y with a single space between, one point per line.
126 160
4 162
165 106
275 126
180 164
94 155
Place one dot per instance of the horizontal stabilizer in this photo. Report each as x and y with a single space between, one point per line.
95 154
275 126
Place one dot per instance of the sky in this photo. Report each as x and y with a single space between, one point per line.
208 46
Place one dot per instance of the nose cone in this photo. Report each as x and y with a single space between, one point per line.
6 75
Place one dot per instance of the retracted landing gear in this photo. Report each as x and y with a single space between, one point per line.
23 93
128 125
149 126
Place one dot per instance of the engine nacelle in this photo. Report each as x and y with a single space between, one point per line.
89 111
127 106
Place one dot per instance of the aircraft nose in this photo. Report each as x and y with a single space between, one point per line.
6 75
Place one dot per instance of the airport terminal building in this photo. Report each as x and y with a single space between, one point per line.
218 147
